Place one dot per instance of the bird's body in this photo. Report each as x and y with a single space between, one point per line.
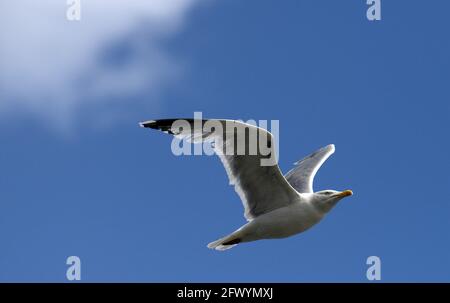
284 222
279 223
276 206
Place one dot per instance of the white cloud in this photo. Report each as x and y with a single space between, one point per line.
51 67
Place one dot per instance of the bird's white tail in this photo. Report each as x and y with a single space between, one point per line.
225 243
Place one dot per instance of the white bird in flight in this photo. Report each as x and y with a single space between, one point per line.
276 206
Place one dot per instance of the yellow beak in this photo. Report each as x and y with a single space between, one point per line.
345 193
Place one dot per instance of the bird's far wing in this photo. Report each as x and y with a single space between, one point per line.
301 177
261 188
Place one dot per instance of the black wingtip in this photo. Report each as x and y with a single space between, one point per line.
162 124
232 242
148 124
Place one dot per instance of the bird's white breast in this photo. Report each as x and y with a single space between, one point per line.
282 222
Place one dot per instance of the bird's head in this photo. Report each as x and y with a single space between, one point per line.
325 200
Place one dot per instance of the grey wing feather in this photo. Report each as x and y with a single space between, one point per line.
261 188
301 177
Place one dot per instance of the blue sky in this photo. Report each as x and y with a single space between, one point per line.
114 194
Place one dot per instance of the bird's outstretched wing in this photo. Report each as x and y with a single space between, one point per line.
261 188
301 177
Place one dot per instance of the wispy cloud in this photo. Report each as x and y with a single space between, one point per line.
51 67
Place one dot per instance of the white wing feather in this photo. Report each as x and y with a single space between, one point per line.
261 188
301 177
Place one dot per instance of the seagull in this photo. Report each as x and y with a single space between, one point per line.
275 206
